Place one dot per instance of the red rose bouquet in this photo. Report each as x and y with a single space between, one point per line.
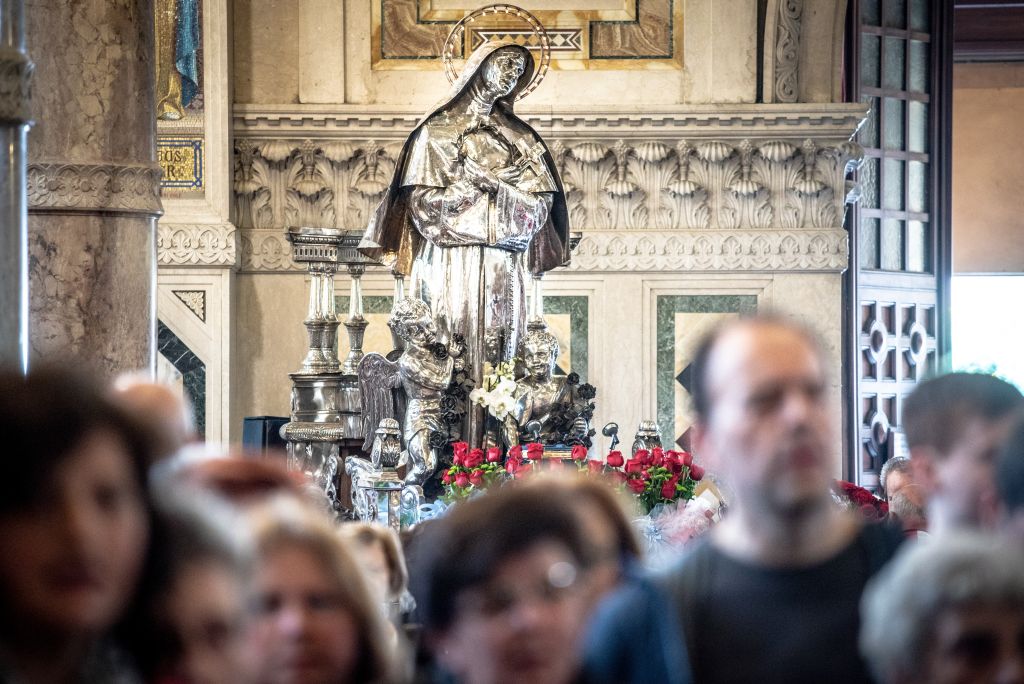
474 470
859 499
656 476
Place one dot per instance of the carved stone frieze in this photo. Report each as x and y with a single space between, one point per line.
94 188
623 184
15 86
804 250
196 245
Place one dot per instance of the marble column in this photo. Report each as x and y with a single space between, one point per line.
15 75
93 184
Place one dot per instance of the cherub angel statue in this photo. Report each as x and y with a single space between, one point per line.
410 389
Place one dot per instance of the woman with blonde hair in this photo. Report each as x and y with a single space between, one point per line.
316 620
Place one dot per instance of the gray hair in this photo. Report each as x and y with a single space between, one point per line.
901 604
898 464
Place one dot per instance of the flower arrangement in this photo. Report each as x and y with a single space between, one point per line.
497 389
475 470
658 476
859 499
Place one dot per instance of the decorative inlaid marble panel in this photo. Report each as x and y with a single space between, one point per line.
191 368
618 34
682 321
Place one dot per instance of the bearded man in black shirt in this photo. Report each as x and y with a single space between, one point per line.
772 594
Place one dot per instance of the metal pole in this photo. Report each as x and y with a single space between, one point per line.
15 118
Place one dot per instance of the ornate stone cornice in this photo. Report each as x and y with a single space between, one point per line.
797 250
833 122
197 244
94 188
15 86
713 250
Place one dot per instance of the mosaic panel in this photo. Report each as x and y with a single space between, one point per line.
682 321
629 34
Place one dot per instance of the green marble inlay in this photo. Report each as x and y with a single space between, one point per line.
577 308
665 331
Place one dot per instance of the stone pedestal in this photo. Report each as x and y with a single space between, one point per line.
93 184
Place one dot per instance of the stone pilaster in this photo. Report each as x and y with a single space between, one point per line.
93 184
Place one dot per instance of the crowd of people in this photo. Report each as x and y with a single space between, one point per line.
127 554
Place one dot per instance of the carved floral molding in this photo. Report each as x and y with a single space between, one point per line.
648 185
196 245
95 188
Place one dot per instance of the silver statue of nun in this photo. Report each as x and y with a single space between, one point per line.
475 204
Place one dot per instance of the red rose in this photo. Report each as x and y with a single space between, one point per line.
636 484
477 478
493 455
618 476
687 458
579 452
595 467
673 462
475 458
512 466
461 480
696 473
643 456
524 470
657 455
535 451
615 459
516 452
461 450
447 478
668 490
634 465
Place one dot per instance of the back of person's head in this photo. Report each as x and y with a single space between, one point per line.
937 412
167 414
973 577
463 550
286 524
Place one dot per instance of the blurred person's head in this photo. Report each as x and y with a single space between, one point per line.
604 517
955 425
762 420
1010 482
379 551
315 618
500 588
896 474
949 611
75 516
166 413
907 507
238 478
196 625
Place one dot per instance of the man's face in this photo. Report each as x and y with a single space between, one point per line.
768 429
961 483
522 625
896 481
975 645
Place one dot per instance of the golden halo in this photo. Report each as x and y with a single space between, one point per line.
453 43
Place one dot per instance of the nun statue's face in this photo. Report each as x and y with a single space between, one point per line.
503 69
